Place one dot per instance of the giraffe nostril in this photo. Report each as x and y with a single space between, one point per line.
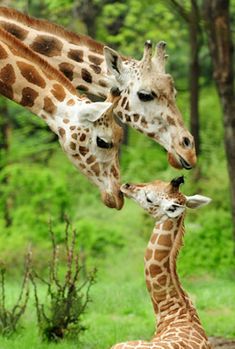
186 142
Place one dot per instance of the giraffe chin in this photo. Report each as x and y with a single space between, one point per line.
179 162
113 201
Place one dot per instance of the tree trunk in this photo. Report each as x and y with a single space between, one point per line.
194 73
216 15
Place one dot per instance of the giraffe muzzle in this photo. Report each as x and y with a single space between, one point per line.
179 162
113 200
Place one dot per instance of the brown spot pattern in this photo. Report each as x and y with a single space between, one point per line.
160 255
154 270
76 55
83 150
90 159
82 87
7 74
153 238
95 68
70 102
6 90
47 45
13 29
82 137
86 76
49 106
3 53
73 146
136 117
28 97
115 172
59 92
167 225
102 83
148 254
165 240
95 60
96 169
30 73
67 70
170 120
62 132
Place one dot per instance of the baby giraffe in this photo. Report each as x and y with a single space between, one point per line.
178 324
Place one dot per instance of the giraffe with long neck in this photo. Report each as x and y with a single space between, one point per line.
147 101
87 131
178 324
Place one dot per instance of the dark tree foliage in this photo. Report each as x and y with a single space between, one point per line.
217 21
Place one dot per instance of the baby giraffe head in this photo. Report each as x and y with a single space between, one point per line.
163 200
91 141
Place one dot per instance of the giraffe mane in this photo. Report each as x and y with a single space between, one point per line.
27 53
42 24
178 243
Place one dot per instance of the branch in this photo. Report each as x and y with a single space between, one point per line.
180 9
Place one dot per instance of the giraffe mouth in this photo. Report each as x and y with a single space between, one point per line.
184 163
177 161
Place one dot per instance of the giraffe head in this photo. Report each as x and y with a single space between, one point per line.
163 200
91 141
148 103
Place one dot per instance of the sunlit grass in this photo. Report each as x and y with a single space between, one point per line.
121 309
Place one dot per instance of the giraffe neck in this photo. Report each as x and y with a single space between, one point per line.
28 80
78 57
169 300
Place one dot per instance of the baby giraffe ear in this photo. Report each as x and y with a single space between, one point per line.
196 201
93 111
173 210
113 62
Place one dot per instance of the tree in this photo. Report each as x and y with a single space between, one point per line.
192 19
217 20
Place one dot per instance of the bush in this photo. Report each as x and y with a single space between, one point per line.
68 298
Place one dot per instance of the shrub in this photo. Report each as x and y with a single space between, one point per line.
68 298
9 318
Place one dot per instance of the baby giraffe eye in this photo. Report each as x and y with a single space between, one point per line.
148 200
101 143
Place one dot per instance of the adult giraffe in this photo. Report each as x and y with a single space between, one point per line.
147 102
87 131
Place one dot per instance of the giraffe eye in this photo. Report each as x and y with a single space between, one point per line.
148 200
145 96
103 144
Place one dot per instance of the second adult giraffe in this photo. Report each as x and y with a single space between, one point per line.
147 101
87 131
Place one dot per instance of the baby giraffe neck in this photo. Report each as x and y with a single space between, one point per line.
168 297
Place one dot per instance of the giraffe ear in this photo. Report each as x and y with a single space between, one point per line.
196 201
93 111
113 62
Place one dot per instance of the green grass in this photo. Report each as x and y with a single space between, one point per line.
121 309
